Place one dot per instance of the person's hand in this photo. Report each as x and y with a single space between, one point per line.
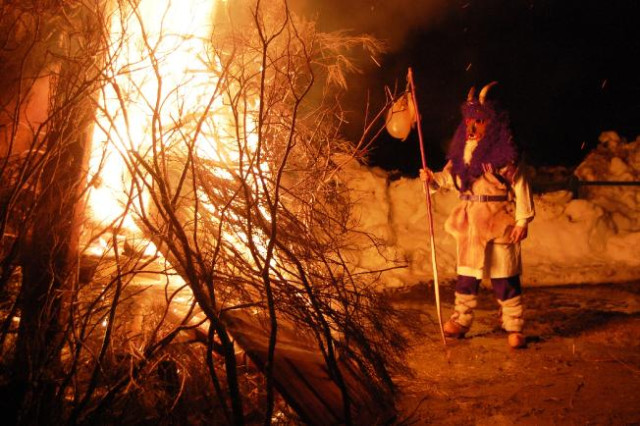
518 233
426 175
487 168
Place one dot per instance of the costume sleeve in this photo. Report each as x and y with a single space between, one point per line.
442 179
523 198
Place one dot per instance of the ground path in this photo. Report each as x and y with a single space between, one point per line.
581 366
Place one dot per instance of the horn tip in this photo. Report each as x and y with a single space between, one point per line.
485 90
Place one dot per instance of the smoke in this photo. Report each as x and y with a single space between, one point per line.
389 20
398 24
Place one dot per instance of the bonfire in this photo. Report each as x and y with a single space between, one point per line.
176 236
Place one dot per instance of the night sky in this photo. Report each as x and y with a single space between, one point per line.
565 70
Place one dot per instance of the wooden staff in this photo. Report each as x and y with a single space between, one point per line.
425 183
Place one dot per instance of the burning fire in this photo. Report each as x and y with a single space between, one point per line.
161 85
157 76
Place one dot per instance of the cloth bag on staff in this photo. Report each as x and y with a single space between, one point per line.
401 117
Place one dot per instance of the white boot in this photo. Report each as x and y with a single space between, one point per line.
513 321
462 318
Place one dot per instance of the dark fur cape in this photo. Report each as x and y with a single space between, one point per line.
497 148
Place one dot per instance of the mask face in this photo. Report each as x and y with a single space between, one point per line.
476 128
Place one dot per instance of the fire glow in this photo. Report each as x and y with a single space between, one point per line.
158 76
160 99
166 97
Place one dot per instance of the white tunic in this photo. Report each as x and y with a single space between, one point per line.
488 255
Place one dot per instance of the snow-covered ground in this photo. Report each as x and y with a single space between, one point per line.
594 238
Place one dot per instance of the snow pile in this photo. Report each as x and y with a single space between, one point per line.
591 239
394 216
615 161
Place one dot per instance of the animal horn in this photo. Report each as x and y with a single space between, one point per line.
472 92
485 90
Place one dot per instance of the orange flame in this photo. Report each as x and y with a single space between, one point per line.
160 79
156 75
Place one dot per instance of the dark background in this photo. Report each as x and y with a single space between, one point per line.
566 70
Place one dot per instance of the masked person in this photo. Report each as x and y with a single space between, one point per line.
492 216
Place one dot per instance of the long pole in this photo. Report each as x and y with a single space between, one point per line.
425 184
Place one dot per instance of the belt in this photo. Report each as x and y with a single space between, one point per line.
483 198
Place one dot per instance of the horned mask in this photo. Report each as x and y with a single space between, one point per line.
485 123
477 120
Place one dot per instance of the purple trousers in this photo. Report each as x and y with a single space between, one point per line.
503 288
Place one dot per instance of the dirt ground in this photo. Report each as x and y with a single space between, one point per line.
581 364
